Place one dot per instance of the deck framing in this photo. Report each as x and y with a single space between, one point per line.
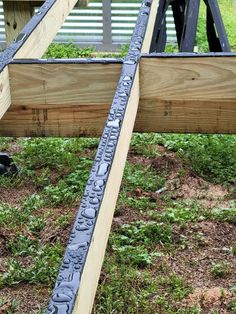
168 93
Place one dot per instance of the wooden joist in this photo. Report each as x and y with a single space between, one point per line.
76 285
93 264
42 86
178 94
186 95
5 96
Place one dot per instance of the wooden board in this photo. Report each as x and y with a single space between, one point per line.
113 149
94 260
16 15
47 85
150 27
59 99
5 97
180 95
188 95
43 34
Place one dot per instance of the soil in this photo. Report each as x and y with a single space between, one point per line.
208 243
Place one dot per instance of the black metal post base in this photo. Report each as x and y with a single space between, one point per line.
186 14
7 167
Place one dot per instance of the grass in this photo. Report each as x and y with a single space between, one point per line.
145 292
220 270
229 18
210 156
57 171
228 13
65 51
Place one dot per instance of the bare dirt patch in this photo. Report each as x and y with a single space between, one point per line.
13 196
29 298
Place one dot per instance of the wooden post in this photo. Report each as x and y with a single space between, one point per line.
16 15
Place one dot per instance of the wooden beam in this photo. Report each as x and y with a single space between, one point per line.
59 99
16 15
44 32
150 27
89 279
5 96
63 84
75 289
180 95
187 95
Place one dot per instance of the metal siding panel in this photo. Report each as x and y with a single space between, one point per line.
79 28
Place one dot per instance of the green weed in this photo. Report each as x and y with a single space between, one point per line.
65 51
212 157
145 292
43 268
140 176
137 256
11 306
125 202
224 215
52 153
220 270
71 187
142 233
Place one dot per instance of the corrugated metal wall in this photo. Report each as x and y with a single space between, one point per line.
86 26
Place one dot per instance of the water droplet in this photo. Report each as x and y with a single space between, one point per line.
20 37
61 297
102 169
123 94
81 228
99 183
146 4
127 78
130 62
53 309
66 261
114 123
94 200
89 213
97 188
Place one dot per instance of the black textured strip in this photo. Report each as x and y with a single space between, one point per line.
188 55
9 52
68 281
68 61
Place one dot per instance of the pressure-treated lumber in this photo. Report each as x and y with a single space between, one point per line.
59 99
92 268
181 95
188 95
43 86
16 15
5 97
150 27
79 273
37 42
